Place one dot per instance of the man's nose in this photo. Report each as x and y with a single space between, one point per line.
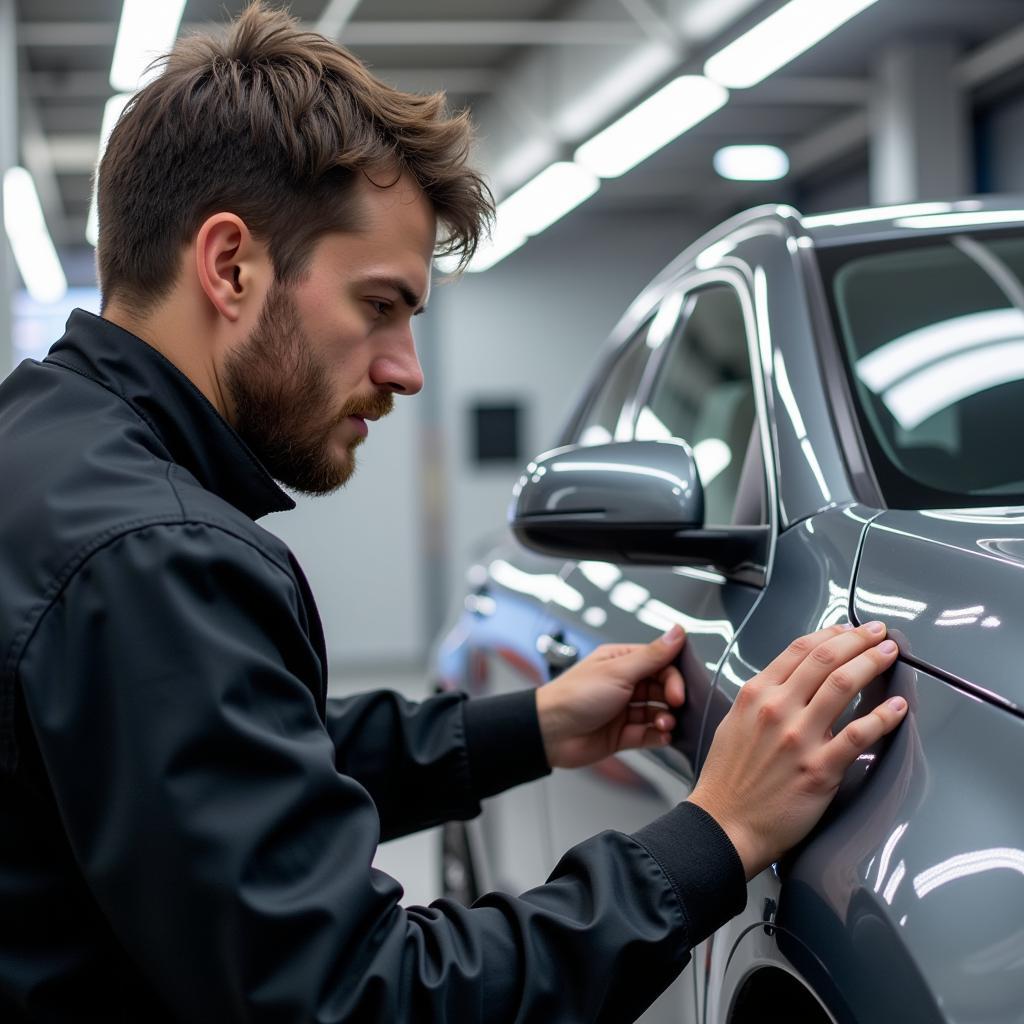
398 369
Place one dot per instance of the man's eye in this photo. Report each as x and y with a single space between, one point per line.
380 307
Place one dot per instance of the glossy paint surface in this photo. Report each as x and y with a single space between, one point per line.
633 482
951 584
906 903
912 898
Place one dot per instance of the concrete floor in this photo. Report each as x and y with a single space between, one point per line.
414 860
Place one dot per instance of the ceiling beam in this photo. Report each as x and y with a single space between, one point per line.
80 85
378 33
471 81
336 15
986 62
807 91
38 158
66 85
74 152
651 20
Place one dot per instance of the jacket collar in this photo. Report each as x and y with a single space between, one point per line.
195 435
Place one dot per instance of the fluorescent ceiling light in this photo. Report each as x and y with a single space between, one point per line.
963 220
774 42
547 198
536 206
672 110
751 163
503 241
113 109
30 240
147 31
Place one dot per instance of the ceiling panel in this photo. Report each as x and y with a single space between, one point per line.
64 83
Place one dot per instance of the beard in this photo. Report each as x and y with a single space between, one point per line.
282 399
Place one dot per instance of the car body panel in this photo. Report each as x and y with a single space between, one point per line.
950 584
912 897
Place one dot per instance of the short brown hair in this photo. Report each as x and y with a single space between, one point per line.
271 124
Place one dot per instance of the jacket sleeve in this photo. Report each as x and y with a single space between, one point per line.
435 761
199 793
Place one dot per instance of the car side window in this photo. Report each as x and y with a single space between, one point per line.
704 395
605 419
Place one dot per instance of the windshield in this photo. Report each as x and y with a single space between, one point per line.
933 337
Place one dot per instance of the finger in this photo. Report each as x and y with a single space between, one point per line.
779 670
843 749
845 682
656 738
650 659
826 658
650 712
633 737
607 652
673 688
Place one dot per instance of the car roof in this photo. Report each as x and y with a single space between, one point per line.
913 220
826 230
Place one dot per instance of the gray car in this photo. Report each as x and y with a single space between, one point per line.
801 421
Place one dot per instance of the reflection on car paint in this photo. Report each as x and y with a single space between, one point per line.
892 605
704 575
543 586
601 574
963 865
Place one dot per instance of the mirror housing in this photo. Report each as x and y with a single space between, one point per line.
628 501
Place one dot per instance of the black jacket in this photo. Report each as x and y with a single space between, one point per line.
187 824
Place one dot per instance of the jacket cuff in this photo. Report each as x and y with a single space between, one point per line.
701 864
503 741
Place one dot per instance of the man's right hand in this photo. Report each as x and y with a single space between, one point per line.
774 764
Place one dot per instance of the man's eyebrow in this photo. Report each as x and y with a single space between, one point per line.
408 294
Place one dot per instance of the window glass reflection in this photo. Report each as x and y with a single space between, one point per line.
933 333
704 395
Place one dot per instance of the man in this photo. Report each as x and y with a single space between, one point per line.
186 823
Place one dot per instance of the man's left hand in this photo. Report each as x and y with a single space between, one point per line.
617 698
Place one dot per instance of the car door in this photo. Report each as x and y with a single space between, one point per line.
700 387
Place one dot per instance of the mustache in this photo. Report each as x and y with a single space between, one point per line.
375 406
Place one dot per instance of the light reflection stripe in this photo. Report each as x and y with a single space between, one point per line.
812 461
884 609
923 394
965 864
661 616
894 882
891 599
887 851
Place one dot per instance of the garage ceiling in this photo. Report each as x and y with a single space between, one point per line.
533 71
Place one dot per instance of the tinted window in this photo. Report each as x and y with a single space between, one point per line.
704 395
933 335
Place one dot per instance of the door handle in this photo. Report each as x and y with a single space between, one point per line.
558 654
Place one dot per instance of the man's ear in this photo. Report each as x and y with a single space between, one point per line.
230 265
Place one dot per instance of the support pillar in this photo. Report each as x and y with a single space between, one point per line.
921 130
8 158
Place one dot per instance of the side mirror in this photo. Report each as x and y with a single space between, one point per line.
630 501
